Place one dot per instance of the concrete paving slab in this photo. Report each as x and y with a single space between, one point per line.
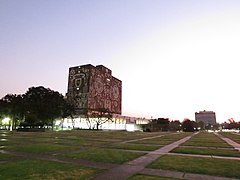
230 142
207 156
181 175
192 176
163 173
143 160
119 173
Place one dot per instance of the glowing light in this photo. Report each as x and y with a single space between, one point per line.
6 120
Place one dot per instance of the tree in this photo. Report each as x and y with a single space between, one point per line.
232 125
12 105
201 125
160 124
38 107
188 125
43 106
99 117
68 110
3 108
88 121
175 125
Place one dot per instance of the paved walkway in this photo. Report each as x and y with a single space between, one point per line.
207 156
132 167
230 142
181 175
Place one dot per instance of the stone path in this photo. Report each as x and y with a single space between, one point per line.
181 175
230 142
207 156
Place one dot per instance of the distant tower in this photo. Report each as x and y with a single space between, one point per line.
207 117
92 88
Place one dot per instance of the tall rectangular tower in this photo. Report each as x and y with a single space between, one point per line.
207 117
93 88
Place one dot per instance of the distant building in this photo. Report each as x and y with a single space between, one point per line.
93 88
207 117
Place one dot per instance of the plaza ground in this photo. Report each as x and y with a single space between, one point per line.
82 154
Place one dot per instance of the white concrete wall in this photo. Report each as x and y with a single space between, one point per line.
115 124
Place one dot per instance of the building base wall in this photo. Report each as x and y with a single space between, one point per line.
114 124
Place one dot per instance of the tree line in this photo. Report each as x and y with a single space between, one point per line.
164 124
38 107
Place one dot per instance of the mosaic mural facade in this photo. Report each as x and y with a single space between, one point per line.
92 88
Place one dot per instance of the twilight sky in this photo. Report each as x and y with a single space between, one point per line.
174 57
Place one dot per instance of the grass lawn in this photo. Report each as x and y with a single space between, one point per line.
98 146
39 169
176 136
210 166
77 137
205 139
75 140
207 151
81 142
107 135
155 141
36 148
149 177
168 138
78 141
206 144
140 147
5 156
116 135
105 155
